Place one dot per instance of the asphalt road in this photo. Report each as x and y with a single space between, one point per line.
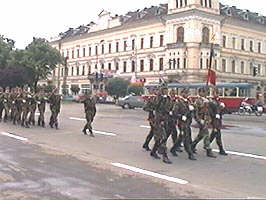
64 164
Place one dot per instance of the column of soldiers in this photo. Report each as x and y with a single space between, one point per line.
167 112
19 106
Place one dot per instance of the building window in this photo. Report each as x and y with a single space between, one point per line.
125 66
234 43
89 69
233 66
89 51
151 42
133 44
67 53
151 64
223 65
215 64
62 72
77 71
243 44
161 40
259 69
96 50
205 35
73 54
72 71
161 64
117 66
133 66
242 67
251 68
102 48
177 3
142 43
96 66
178 63
185 63
84 52
206 3
63 54
201 2
77 53
210 3
142 65
83 70
117 47
207 63
185 2
201 63
102 65
259 47
110 48
180 35
109 66
181 3
224 41
125 45
251 46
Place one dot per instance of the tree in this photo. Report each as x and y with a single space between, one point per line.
42 59
75 89
136 89
6 46
117 87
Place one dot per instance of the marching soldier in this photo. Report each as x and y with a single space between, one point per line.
216 122
32 109
161 114
150 108
1 103
55 107
183 111
41 102
18 103
6 103
90 112
25 107
203 119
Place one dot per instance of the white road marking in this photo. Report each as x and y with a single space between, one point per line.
149 173
94 131
78 119
103 133
14 136
243 154
143 126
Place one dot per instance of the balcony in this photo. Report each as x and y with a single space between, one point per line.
176 45
208 46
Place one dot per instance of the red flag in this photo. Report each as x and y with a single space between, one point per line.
211 77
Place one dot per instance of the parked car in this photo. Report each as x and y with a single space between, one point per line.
131 102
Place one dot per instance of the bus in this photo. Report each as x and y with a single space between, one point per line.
231 94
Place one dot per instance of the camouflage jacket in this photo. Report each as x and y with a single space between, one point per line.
89 105
202 115
183 111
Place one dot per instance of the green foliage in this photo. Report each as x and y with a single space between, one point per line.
75 89
117 87
6 47
136 89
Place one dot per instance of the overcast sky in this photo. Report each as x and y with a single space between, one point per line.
23 19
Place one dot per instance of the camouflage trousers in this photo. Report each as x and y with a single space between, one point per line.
160 135
185 137
89 118
54 117
41 109
32 111
216 134
6 109
203 135
1 111
24 119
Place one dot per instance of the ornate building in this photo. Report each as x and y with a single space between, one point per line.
170 41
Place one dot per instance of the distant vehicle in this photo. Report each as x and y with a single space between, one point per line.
249 109
131 102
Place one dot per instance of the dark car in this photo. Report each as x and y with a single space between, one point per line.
131 102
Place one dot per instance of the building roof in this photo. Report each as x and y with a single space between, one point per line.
159 11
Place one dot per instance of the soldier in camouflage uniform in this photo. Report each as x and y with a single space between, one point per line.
90 112
183 111
203 119
6 103
41 102
18 104
150 108
162 110
1 103
32 108
216 122
25 108
55 107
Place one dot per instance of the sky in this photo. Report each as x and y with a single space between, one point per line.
21 20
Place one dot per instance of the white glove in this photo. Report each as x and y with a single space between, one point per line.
5 100
223 105
171 113
38 102
165 96
202 121
184 118
191 108
218 116
13 102
24 101
29 96
45 98
61 98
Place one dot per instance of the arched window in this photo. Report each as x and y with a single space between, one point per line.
180 35
205 35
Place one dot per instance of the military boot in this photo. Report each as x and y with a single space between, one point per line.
191 157
39 122
146 147
173 151
51 124
27 125
154 150
210 153
222 152
43 124
56 126
166 159
91 134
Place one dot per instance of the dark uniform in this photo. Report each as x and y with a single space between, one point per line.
6 103
162 110
90 112
183 111
216 123
41 104
32 109
25 108
55 106
202 117
1 103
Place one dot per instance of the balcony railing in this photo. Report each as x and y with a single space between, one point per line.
177 45
208 45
